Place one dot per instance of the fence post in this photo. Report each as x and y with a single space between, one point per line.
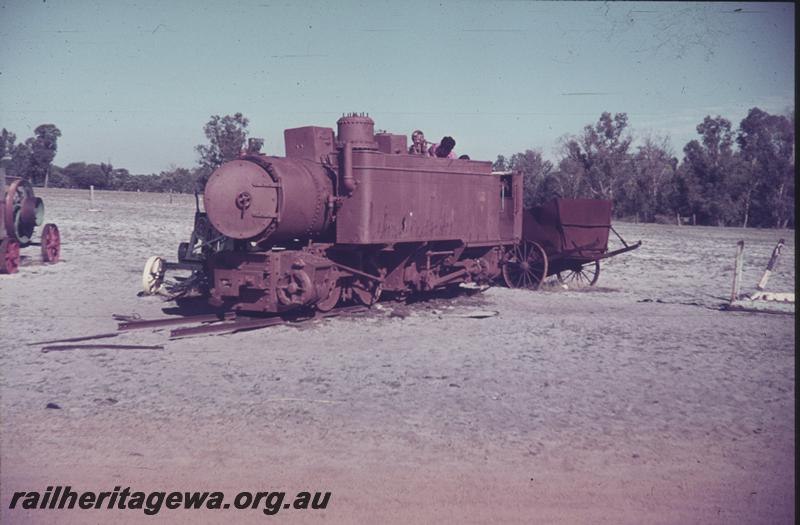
737 273
773 261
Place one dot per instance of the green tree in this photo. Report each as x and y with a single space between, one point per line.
766 143
43 147
7 140
501 164
535 171
644 193
20 160
226 138
711 174
596 162
82 175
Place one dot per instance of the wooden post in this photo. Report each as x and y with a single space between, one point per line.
773 261
678 218
91 194
737 272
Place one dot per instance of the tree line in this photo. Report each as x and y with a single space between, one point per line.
32 159
726 177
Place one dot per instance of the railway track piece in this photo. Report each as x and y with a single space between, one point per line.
245 324
75 339
135 324
61 348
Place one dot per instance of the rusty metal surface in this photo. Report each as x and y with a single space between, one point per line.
20 213
136 324
358 130
578 226
410 198
308 142
346 218
51 243
9 255
61 348
254 323
259 198
390 143
76 339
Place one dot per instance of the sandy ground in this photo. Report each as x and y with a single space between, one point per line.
634 402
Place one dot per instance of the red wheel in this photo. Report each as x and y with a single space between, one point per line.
51 243
525 266
9 255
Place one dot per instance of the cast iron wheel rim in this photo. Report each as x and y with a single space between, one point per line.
16 193
367 297
51 243
586 275
526 266
9 255
327 304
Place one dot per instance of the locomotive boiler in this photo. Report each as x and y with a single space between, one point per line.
346 216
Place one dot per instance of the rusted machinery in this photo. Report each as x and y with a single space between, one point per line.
567 238
347 217
20 213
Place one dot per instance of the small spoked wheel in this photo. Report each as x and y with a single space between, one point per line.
525 266
585 275
51 243
153 274
9 255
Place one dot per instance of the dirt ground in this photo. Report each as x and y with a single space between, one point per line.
637 401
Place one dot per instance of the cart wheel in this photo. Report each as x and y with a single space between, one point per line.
525 266
153 274
9 255
586 275
51 243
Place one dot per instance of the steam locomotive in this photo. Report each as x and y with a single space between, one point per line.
347 217
351 216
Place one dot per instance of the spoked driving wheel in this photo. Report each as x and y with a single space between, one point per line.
525 266
9 255
51 243
585 275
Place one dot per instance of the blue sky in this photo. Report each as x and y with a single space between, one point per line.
133 82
